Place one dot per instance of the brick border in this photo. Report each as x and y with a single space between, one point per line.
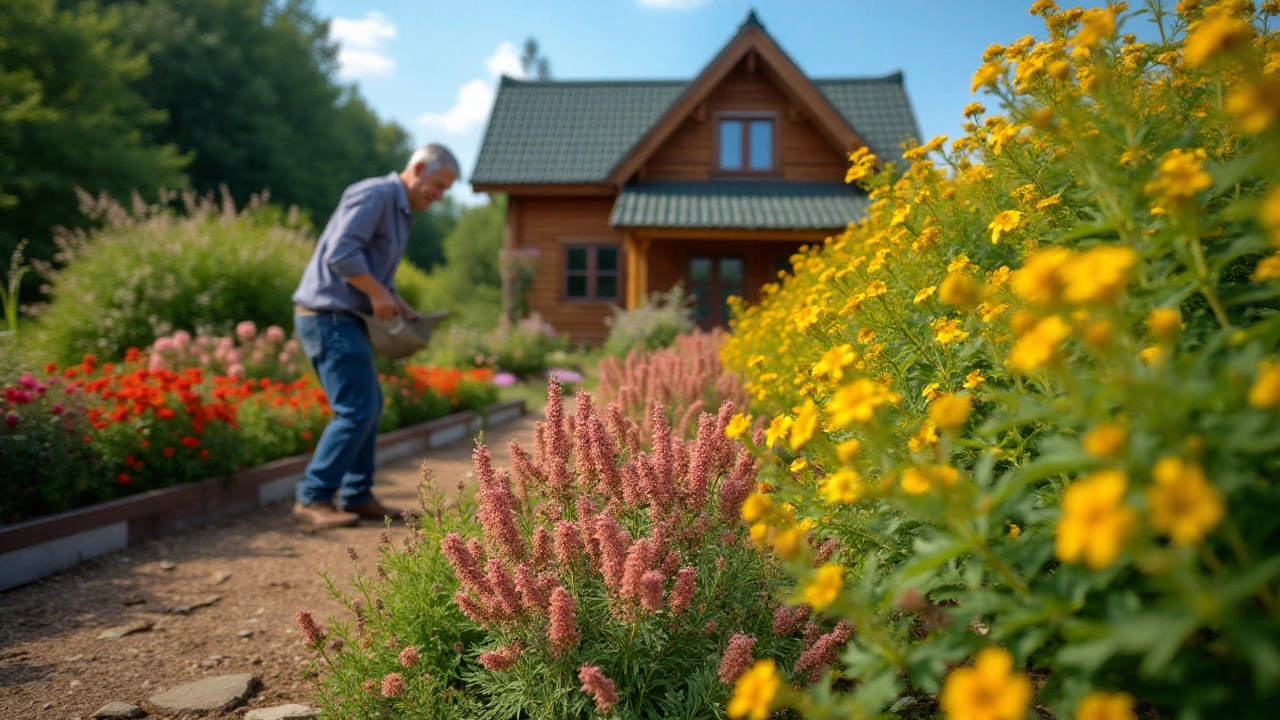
34 549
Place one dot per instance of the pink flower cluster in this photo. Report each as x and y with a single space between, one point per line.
312 634
244 353
599 687
822 650
737 658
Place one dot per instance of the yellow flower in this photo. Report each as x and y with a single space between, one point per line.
756 507
1105 440
931 391
759 534
1268 269
917 480
755 360
808 317
1106 706
924 294
754 692
1256 104
989 690
1164 323
1043 6
833 362
1183 503
845 486
959 264
737 427
1040 345
875 289
806 423
900 215
1098 334
926 436
973 108
1179 178
1014 531
857 402
1098 274
1039 280
973 380
1220 33
823 589
847 451
798 464
1265 393
1006 221
958 289
1151 355
866 336
947 331
1095 521
1270 215
1051 201
779 428
988 74
1095 26
950 412
787 543
862 165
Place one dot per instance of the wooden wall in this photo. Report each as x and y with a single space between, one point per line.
550 223
689 154
669 260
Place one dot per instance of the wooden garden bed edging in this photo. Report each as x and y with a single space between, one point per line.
37 548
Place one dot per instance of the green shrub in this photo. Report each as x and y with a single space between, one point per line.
653 325
525 348
149 272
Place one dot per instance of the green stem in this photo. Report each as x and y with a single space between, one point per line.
1206 287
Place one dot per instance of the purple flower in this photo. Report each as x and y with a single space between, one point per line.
504 379
567 377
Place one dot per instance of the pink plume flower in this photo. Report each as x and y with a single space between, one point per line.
613 552
563 630
409 656
568 543
531 595
632 490
465 566
478 612
633 569
504 588
823 651
671 563
312 634
735 488
737 658
787 620
651 590
825 550
502 658
497 508
599 687
682 593
542 542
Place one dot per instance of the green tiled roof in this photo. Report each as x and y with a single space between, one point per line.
556 131
739 204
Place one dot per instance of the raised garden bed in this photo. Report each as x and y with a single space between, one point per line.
38 548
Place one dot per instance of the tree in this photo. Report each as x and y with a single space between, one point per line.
532 59
70 116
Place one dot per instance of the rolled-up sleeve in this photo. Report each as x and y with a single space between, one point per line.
360 213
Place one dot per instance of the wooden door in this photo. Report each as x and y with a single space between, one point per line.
712 280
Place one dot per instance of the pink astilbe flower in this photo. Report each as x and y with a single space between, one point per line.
502 658
542 547
504 588
786 620
657 489
825 551
735 488
651 590
557 441
586 511
662 446
613 551
524 467
603 460
682 593
563 630
409 656
626 432
478 612
312 634
392 685
599 687
581 440
633 569
568 544
727 538
811 632
659 540
700 465
688 417
531 595
723 447
671 563
737 658
632 489
370 685
497 508
823 651
466 566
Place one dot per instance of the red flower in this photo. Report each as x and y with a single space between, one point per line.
165 413
50 369
146 444
189 442
306 434
123 478
204 454
168 452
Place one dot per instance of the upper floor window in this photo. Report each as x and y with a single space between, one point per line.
746 144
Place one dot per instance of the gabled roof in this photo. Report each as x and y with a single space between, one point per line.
738 204
576 132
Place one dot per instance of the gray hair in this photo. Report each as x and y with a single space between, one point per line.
435 156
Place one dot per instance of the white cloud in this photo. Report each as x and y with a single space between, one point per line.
362 45
475 98
505 61
672 4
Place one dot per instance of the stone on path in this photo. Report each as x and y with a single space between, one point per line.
208 695
120 631
282 712
186 609
220 577
114 710
167 565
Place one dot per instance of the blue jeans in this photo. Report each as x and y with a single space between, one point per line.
343 462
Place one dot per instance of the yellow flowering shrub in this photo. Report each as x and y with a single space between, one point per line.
1033 397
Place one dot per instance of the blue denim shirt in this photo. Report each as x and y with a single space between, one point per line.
367 234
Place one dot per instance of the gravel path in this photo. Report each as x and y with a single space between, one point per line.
259 566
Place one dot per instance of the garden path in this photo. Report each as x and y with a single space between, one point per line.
53 666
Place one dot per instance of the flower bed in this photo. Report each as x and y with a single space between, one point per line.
84 434
1033 396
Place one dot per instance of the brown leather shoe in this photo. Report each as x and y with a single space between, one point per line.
322 516
377 511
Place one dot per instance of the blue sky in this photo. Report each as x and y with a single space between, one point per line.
433 65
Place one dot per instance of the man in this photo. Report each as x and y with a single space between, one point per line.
353 270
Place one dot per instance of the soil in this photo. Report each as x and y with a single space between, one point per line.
52 664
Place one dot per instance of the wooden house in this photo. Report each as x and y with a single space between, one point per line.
628 187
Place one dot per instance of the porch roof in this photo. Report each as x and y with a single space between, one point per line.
738 204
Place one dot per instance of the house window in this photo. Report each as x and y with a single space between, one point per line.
746 144
591 272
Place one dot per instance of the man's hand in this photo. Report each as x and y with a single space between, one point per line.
407 312
384 303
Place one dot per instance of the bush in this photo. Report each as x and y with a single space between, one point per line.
1033 394
150 272
524 348
685 380
605 578
653 325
